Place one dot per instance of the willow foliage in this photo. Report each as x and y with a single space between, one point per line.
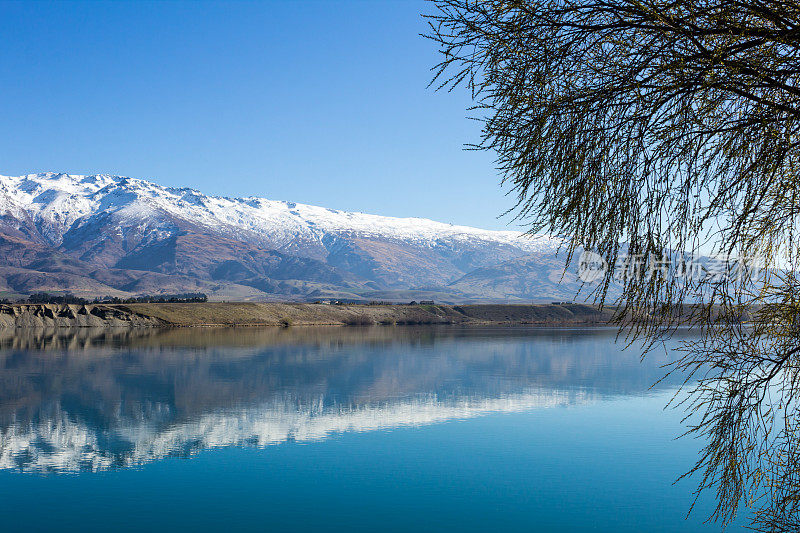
653 128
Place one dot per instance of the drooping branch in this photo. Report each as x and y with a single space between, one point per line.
654 128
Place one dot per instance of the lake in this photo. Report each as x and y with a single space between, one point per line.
340 429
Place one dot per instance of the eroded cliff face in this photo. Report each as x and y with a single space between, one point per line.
48 316
71 316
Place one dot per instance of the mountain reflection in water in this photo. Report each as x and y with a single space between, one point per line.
95 400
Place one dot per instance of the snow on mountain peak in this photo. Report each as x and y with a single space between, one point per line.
58 201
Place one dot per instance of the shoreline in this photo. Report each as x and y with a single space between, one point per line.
245 314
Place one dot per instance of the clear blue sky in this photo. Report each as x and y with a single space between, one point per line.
314 102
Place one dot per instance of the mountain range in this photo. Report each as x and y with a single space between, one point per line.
104 235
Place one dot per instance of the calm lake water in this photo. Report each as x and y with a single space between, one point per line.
349 429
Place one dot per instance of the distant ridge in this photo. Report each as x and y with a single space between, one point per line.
104 235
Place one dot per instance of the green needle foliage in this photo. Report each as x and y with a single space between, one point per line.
656 129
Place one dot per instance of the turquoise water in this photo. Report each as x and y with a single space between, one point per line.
346 429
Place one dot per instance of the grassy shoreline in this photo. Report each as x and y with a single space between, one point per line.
299 314
295 314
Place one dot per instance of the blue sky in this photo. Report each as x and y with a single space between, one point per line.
315 102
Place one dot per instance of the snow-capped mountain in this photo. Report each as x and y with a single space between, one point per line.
112 235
